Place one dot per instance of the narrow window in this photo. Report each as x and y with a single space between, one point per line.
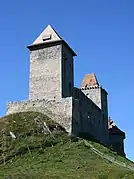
86 86
87 94
70 88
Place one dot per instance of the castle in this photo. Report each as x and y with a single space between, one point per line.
81 111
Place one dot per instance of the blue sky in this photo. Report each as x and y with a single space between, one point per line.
100 32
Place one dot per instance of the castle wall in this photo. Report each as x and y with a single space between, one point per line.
94 95
104 104
76 128
67 72
58 110
91 118
99 97
45 73
117 143
115 138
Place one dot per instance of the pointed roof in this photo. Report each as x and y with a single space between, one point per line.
114 130
89 80
47 37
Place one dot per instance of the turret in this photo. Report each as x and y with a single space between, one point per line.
91 88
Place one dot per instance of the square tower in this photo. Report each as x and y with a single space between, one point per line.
90 87
51 67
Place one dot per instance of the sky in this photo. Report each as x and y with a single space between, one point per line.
100 32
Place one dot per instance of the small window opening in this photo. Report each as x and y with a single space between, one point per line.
46 37
86 86
70 87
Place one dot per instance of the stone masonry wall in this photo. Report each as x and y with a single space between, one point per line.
116 141
76 118
99 97
104 103
94 95
58 110
45 73
91 119
67 72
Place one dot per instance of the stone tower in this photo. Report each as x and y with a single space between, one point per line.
97 94
51 67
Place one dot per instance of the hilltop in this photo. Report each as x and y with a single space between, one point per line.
34 146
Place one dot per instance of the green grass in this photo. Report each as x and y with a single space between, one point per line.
40 155
111 153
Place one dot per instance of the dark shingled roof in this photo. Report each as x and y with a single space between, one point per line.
113 129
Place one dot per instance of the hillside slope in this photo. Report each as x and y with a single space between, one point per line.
34 146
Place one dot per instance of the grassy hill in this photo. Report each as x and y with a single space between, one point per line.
34 146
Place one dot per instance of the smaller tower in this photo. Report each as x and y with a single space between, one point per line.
91 88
